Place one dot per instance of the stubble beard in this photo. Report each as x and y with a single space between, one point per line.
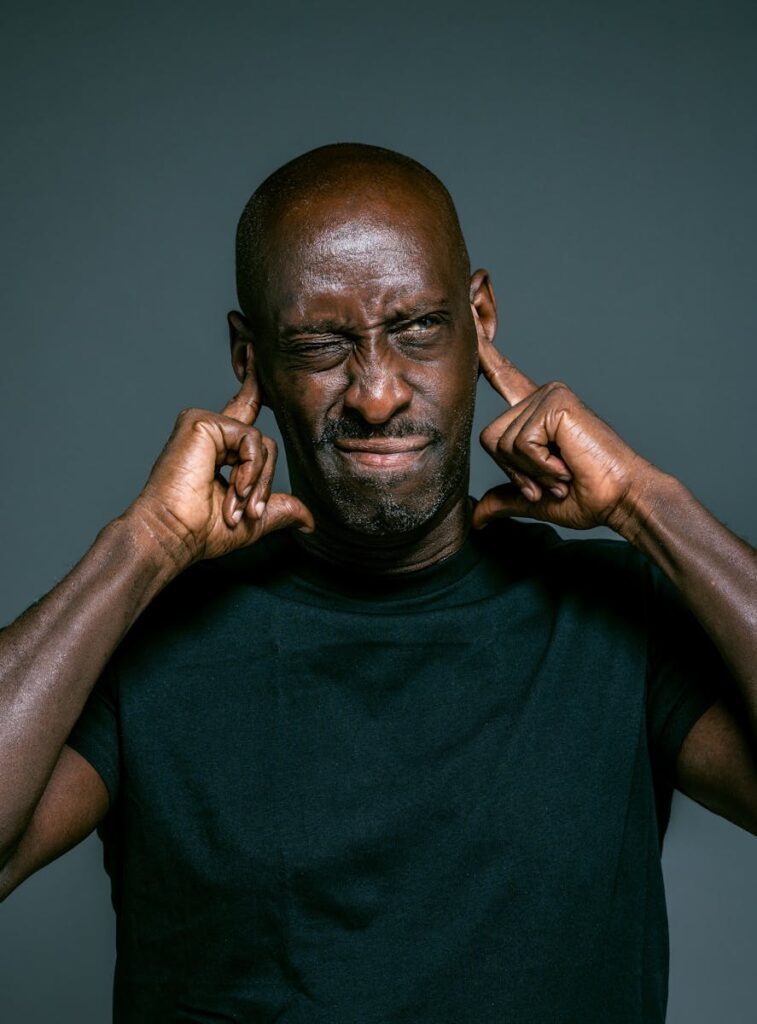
372 506
376 510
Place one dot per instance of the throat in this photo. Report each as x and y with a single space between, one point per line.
393 553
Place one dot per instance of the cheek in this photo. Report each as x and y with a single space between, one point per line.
301 403
455 384
458 404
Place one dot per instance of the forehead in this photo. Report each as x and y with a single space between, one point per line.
357 257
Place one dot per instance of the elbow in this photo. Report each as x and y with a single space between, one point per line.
7 850
7 885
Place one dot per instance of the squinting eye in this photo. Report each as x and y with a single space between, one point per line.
410 332
421 323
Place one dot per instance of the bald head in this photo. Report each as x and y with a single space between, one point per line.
334 184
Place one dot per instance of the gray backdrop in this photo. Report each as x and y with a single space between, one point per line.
602 156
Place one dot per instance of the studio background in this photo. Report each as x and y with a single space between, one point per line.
603 160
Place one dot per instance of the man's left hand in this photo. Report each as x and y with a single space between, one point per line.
567 466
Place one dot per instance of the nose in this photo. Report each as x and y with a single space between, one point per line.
377 388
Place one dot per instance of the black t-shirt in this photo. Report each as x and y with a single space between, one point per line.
438 798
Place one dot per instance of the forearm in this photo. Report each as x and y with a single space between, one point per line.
51 657
713 569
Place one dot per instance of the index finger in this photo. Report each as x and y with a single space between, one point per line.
506 379
245 405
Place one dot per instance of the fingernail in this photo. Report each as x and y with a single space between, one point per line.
557 491
246 492
260 509
236 515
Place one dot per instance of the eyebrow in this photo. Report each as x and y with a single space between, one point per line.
312 327
331 326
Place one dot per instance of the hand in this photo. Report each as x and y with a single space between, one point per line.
187 506
567 466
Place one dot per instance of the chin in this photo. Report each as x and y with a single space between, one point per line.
383 518
388 504
380 511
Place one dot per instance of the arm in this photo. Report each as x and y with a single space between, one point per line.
716 574
714 571
568 467
74 801
51 657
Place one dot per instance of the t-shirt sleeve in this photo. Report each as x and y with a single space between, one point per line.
685 672
95 733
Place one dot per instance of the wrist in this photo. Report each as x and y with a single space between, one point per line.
156 545
650 493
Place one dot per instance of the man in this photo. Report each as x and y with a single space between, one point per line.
382 766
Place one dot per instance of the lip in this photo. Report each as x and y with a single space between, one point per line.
383 445
383 452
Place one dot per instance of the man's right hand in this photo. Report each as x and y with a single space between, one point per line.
187 506
52 656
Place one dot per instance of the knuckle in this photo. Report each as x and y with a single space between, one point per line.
504 445
522 445
251 439
286 507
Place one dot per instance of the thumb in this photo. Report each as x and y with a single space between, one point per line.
499 502
284 510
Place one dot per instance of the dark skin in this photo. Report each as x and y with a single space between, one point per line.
369 335
395 356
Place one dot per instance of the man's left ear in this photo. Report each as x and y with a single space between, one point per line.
483 305
242 344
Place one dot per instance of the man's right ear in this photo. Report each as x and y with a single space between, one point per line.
242 346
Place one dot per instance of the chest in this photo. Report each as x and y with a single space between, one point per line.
334 736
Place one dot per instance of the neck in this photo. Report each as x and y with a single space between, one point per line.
388 555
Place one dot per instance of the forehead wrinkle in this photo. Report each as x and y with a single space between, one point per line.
350 309
324 269
348 292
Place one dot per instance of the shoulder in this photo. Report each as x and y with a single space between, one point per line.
530 543
592 572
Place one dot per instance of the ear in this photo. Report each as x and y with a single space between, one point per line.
483 306
242 344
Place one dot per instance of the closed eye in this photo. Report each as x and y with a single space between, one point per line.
316 344
314 354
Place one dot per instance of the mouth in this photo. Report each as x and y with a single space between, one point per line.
391 453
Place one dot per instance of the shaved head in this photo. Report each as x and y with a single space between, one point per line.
351 180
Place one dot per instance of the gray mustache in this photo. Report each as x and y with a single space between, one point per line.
343 427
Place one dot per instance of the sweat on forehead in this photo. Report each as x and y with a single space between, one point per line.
339 183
